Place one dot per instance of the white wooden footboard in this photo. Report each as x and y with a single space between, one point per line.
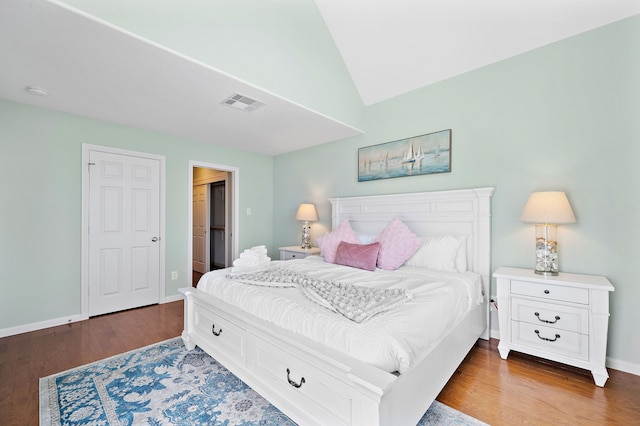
309 382
313 384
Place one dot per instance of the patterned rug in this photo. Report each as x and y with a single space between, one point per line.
164 384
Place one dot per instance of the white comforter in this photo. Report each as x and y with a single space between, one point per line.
392 340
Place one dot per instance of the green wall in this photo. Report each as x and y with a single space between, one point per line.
40 206
561 117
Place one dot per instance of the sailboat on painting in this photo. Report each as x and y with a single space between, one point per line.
412 156
408 158
424 154
384 161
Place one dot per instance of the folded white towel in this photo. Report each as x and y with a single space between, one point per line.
249 263
260 250
251 260
236 271
249 256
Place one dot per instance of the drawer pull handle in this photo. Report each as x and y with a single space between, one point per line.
213 330
547 321
547 292
546 338
292 383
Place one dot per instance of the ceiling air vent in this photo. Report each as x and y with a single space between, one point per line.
243 103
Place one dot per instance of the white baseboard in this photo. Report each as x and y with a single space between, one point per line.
495 334
11 331
4 332
627 367
173 298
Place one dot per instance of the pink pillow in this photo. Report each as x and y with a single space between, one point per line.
329 242
397 244
361 256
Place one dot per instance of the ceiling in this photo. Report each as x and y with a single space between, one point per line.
389 48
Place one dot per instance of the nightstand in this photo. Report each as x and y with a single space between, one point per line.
296 252
563 318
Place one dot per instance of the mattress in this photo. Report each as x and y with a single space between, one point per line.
392 340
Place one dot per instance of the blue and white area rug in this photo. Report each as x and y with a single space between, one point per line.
164 384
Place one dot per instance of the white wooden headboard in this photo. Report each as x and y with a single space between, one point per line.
457 212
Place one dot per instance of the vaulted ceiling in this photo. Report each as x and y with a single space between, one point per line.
91 67
393 47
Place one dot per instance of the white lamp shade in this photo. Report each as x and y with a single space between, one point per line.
307 212
548 207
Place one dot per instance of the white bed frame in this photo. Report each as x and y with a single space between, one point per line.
315 385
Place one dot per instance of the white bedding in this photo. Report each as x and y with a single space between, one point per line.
392 340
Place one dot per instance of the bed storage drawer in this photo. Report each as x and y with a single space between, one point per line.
224 335
328 400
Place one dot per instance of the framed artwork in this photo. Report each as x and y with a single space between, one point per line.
419 155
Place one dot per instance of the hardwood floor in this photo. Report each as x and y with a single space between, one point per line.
522 390
525 390
24 358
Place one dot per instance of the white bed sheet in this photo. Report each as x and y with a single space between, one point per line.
392 340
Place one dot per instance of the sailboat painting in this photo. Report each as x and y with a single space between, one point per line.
419 155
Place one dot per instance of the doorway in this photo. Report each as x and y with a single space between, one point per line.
213 218
218 212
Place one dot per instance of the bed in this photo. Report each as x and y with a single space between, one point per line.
316 382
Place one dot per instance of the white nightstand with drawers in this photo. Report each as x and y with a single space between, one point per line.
564 318
296 252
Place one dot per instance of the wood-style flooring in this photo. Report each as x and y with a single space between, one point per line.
522 390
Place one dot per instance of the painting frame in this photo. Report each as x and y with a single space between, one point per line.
425 154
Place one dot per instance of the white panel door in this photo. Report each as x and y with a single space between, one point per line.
124 232
200 225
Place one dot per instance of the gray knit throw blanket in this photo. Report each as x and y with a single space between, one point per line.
356 303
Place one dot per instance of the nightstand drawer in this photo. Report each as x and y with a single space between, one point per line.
561 342
297 252
555 316
288 255
551 292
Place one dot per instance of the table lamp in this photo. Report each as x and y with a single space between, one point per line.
306 213
547 210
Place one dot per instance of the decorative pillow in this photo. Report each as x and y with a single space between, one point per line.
329 242
361 256
441 253
397 244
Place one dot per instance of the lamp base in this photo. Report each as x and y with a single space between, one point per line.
546 250
546 273
306 238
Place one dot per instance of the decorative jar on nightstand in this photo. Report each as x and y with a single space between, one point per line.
296 252
564 318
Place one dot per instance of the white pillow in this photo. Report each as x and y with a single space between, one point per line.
366 238
447 253
461 254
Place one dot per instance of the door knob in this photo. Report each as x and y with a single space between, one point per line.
154 239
